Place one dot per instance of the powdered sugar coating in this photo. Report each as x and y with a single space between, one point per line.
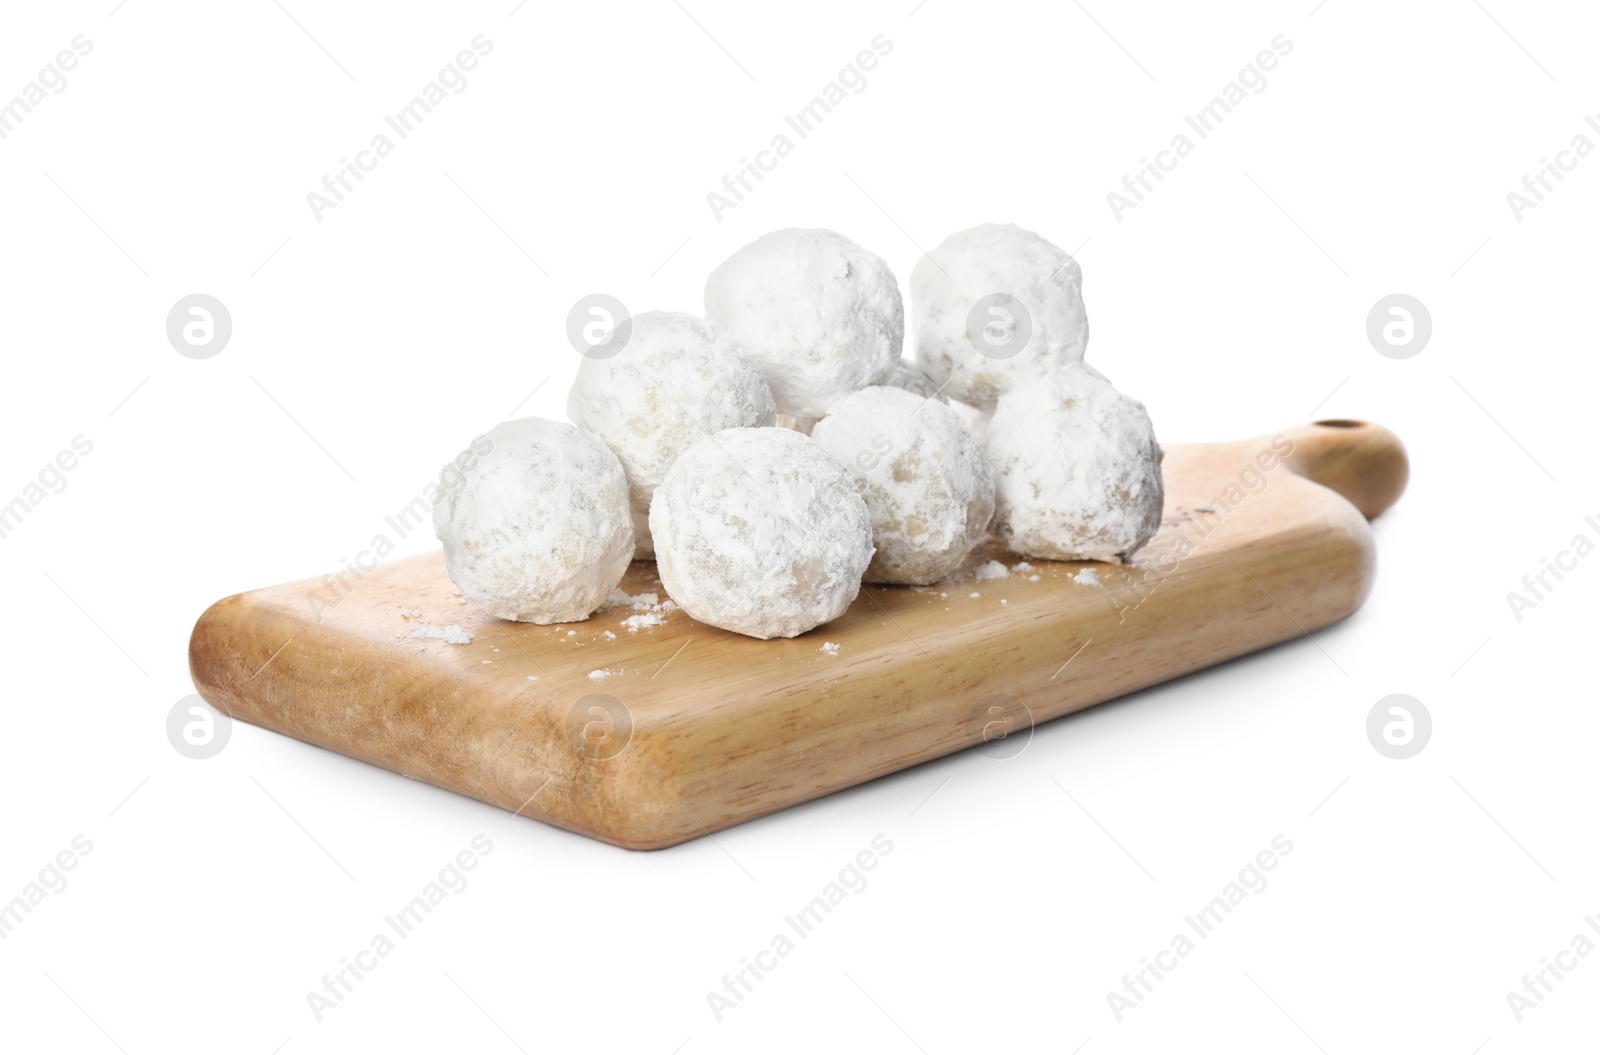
976 263
539 532
922 475
1077 469
761 532
677 380
819 315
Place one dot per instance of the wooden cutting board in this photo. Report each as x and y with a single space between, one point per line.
647 736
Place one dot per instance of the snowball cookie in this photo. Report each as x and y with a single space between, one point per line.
761 532
922 475
820 316
1034 322
539 531
676 381
1077 469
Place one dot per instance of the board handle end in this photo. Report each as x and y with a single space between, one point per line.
1364 462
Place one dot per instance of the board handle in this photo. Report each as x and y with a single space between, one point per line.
1364 462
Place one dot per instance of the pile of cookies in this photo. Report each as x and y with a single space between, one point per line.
776 453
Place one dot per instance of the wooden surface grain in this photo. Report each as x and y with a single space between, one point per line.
688 729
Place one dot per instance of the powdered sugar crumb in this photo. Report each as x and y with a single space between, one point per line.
992 570
452 634
650 609
620 598
636 623
600 675
830 647
1087 577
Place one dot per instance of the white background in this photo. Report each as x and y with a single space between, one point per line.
370 346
